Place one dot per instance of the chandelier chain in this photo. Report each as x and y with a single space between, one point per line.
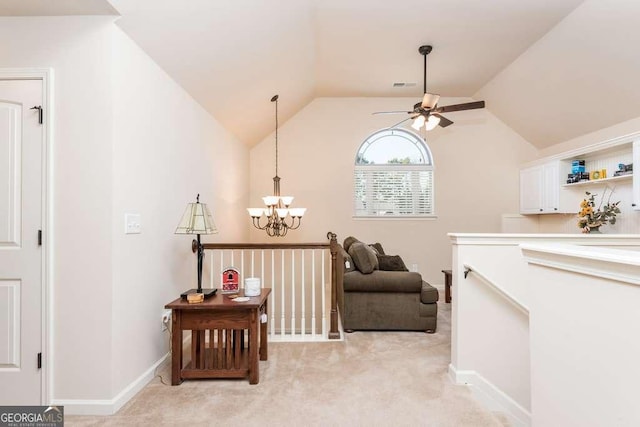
276 101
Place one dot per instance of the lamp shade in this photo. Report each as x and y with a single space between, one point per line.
418 122
286 200
196 219
432 122
255 212
430 100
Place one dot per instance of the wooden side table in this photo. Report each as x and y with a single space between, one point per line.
218 347
447 285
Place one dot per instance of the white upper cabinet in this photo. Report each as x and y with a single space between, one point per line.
531 183
544 188
540 189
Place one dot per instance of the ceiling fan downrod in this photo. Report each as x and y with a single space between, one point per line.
424 51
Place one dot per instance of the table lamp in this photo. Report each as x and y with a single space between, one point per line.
197 220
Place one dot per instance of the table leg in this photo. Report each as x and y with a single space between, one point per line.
176 348
254 375
263 335
447 285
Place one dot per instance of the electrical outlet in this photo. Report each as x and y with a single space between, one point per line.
166 320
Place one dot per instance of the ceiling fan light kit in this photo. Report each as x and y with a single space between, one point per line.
427 112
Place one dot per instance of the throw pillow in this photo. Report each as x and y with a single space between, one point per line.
348 262
391 263
348 242
364 257
378 247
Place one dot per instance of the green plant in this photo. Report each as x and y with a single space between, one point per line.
591 217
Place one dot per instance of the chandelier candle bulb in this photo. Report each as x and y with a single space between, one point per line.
255 212
286 200
270 200
297 212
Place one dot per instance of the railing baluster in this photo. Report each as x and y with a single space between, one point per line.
221 267
293 292
313 293
262 267
213 255
324 302
303 297
273 297
282 328
241 278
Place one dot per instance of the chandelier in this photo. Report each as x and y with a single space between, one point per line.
280 217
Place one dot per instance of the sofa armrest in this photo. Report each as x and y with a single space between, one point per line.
429 294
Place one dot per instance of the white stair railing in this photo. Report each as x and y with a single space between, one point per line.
299 276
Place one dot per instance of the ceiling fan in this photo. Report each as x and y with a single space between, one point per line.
427 112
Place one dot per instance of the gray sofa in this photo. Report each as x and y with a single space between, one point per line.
382 299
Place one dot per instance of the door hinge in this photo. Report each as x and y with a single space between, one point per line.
39 360
39 237
39 108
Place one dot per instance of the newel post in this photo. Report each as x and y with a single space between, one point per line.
334 333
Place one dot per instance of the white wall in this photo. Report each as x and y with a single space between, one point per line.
584 351
476 160
79 51
491 347
166 149
127 139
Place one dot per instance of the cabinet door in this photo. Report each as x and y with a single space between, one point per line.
531 189
636 175
551 187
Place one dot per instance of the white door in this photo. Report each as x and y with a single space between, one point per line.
20 254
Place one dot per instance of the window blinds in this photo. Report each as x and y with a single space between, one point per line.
399 190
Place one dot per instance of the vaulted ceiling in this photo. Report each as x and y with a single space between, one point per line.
551 70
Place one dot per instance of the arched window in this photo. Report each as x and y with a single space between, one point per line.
393 176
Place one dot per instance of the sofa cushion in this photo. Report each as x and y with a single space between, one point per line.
348 242
391 263
428 294
383 281
364 257
348 262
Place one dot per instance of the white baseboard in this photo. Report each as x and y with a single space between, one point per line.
491 397
109 406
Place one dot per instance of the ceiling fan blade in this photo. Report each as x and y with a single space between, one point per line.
400 122
460 107
430 100
444 122
392 112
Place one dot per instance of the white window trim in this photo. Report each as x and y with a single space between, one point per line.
396 167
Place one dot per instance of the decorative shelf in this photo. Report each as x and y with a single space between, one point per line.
600 181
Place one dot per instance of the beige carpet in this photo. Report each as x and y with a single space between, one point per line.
370 379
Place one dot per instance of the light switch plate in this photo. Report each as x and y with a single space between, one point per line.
132 224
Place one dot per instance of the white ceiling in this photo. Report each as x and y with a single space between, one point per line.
552 70
55 7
